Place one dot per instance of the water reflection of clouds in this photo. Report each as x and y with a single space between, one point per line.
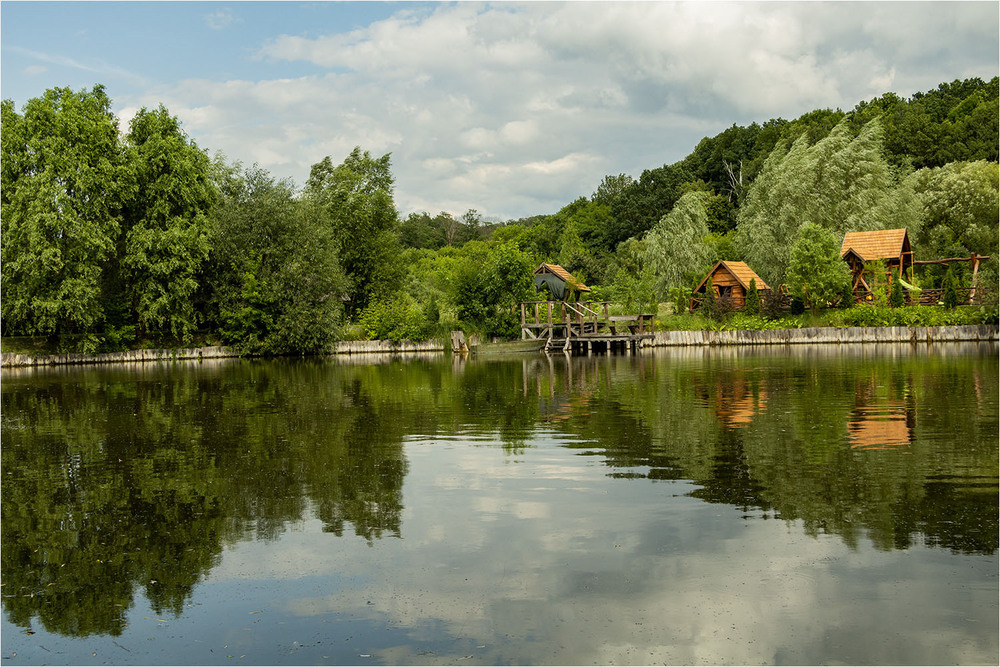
557 577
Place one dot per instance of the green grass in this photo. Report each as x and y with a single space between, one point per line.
666 320
858 316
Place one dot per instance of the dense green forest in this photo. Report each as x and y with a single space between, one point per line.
111 237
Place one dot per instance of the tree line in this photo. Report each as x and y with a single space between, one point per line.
117 236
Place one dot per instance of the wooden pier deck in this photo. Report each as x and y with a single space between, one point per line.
584 326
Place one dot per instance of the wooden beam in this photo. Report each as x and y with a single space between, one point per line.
951 259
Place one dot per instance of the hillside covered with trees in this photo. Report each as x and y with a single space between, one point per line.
110 237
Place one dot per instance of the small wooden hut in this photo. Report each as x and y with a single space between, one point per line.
889 245
559 282
731 280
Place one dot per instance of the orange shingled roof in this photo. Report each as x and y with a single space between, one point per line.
882 244
566 276
743 273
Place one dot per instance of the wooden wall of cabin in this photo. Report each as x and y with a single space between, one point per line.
723 278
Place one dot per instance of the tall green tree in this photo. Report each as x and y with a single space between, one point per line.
840 183
816 273
640 205
279 287
356 199
164 240
611 188
64 179
676 250
488 284
961 205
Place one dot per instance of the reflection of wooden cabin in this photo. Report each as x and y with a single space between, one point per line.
738 410
880 426
731 280
891 246
559 282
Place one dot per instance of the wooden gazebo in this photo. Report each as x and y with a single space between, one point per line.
731 280
889 245
560 283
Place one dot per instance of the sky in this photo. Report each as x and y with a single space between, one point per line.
513 109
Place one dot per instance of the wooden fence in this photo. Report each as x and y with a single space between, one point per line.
927 297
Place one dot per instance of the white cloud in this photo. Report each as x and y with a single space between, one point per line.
220 20
517 109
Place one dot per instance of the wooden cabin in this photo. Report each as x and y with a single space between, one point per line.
731 280
559 282
892 246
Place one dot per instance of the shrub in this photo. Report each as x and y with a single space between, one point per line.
847 295
719 309
896 299
772 306
393 319
752 306
681 300
950 296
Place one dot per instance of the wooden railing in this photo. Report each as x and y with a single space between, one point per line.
579 318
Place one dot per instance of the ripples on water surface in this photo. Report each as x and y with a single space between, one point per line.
723 506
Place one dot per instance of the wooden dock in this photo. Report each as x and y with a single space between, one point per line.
583 326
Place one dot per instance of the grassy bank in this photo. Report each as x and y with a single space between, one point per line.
858 316
666 320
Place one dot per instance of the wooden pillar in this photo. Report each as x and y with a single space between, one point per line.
975 270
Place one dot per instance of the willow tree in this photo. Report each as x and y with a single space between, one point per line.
676 250
961 206
841 183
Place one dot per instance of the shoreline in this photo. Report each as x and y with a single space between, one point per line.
698 338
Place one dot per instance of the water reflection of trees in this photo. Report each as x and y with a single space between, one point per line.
118 481
779 431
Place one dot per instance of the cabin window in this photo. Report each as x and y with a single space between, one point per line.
725 291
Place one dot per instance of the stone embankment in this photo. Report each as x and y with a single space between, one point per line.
827 335
369 348
354 347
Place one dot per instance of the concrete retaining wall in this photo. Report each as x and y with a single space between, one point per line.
8 360
354 347
984 332
388 347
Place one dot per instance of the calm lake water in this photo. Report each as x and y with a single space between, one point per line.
799 505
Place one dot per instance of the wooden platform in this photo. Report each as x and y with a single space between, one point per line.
583 326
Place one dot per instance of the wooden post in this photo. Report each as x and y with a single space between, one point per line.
975 269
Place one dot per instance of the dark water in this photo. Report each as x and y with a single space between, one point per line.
813 505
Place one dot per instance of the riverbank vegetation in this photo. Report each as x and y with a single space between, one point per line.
112 238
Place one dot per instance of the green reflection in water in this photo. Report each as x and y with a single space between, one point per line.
898 444
118 480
